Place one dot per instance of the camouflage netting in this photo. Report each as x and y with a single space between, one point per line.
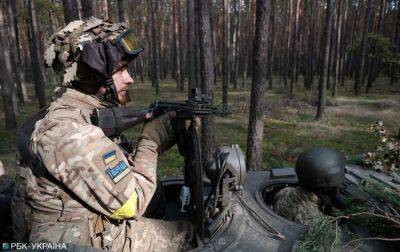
64 46
386 157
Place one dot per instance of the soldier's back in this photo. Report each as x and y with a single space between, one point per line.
297 204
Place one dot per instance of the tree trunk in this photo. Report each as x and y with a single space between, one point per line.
87 8
271 43
325 61
181 47
232 37
245 44
154 54
158 42
106 9
288 24
15 53
35 53
237 45
5 78
250 37
295 46
176 36
213 40
207 76
225 55
332 48
338 46
190 45
358 82
343 51
259 82
20 38
71 10
174 49
121 11
309 77
374 64
196 25
396 41
353 58
25 55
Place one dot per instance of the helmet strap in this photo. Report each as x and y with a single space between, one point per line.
111 94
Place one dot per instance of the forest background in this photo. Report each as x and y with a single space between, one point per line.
293 74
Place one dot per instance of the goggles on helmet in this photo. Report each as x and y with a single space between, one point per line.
129 43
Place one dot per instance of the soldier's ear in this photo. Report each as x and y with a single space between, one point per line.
93 55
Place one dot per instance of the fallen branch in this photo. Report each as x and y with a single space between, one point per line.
371 214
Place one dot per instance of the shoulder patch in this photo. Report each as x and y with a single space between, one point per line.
118 172
109 157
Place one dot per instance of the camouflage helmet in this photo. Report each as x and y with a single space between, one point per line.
320 168
87 51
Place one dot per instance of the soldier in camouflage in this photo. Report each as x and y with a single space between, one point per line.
298 204
86 189
320 172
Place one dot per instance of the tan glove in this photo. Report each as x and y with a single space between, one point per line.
196 122
160 131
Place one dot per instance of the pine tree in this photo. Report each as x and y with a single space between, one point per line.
259 82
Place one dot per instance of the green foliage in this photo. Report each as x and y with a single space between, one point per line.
384 50
375 225
324 234
383 192
381 49
378 226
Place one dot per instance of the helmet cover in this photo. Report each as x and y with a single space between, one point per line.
84 46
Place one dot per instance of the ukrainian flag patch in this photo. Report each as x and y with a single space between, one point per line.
118 172
109 157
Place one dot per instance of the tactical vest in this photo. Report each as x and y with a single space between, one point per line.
21 211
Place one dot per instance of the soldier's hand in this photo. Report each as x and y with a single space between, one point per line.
196 121
160 131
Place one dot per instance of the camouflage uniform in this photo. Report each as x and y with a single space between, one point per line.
91 192
297 204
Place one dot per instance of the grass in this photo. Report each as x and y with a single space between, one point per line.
289 125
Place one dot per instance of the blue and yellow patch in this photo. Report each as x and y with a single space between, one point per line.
109 157
118 172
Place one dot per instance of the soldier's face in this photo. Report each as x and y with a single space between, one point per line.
122 79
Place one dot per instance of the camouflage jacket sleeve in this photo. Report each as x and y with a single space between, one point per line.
96 170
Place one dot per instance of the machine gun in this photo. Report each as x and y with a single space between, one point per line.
114 120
